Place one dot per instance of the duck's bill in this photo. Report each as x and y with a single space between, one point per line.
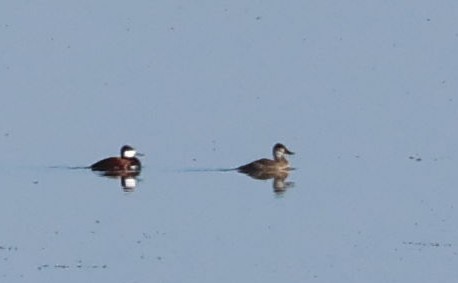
140 154
289 152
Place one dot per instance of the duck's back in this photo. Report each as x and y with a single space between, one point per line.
261 164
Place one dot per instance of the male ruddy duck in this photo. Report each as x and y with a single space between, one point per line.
279 163
127 162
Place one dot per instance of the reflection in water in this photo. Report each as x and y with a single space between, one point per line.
128 178
279 183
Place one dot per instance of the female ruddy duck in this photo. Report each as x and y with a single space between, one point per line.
267 165
127 162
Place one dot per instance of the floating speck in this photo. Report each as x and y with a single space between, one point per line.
416 158
427 244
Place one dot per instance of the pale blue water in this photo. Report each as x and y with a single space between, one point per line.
364 93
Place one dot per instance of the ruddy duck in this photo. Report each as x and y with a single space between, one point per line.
127 162
279 163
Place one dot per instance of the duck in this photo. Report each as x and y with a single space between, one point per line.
126 162
264 165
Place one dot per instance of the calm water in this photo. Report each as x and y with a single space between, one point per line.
364 94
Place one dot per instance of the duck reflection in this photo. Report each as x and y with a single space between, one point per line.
279 183
276 169
128 178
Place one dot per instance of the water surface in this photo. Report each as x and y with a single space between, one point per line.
364 94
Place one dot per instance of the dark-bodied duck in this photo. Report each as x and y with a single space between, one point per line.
127 162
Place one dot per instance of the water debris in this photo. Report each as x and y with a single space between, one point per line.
43 266
415 158
68 267
8 248
427 244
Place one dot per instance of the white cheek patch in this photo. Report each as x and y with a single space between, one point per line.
279 154
129 153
